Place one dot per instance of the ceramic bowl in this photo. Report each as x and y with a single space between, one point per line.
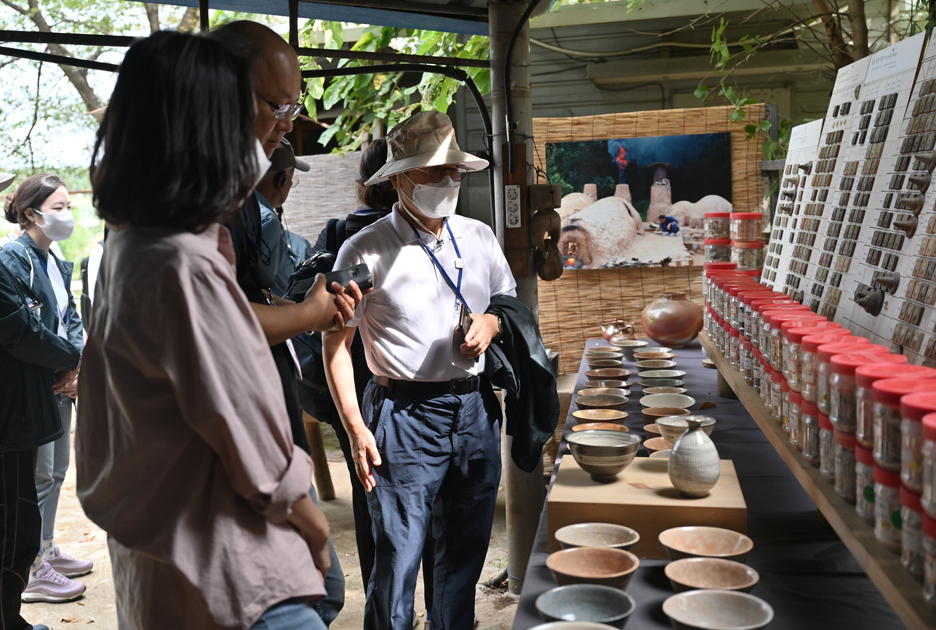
705 542
603 454
617 384
661 382
652 431
600 426
586 602
613 391
603 350
572 625
674 426
593 565
691 574
649 355
597 535
725 610
599 415
680 401
664 390
658 349
619 374
629 347
655 364
663 374
657 444
652 414
603 363
661 454
601 401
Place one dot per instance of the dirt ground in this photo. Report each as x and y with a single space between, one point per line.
78 536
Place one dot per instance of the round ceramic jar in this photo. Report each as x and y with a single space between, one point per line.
776 332
826 448
929 560
929 464
776 396
865 376
864 484
911 532
809 421
913 408
824 356
809 365
795 416
887 520
792 346
842 401
762 322
747 227
887 394
844 454
749 256
717 225
718 250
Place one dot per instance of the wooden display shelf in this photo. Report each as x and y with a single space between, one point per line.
902 592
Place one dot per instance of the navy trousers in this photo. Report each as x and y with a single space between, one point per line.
440 465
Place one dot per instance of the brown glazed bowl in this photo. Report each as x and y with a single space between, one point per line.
603 350
725 610
654 364
601 401
690 574
600 384
609 373
664 390
649 355
599 415
657 444
652 431
595 363
705 542
600 426
597 535
652 414
593 565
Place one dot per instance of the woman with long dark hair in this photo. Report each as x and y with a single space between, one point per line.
184 450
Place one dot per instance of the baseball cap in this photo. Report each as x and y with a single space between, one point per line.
284 157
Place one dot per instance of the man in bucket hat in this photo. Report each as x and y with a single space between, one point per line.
426 443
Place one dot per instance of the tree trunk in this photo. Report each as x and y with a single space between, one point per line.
837 44
152 15
189 20
859 25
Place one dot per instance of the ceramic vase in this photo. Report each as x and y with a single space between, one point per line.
694 466
672 320
614 328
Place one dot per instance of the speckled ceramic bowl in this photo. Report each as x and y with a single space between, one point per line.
611 391
705 542
725 610
680 401
593 565
586 602
691 574
618 374
663 374
599 415
597 535
657 444
600 426
672 427
652 414
654 364
664 390
601 401
598 384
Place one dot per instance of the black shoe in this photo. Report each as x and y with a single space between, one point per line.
40 626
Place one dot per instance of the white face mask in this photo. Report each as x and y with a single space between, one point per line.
438 200
263 163
58 226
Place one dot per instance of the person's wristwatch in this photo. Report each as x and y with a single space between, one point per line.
500 327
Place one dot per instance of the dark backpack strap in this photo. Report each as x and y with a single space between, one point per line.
331 235
340 228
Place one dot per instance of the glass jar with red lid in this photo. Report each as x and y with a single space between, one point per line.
887 394
747 227
718 250
776 332
913 408
809 365
824 356
749 256
887 520
842 400
826 448
865 376
792 334
717 225
844 449
864 484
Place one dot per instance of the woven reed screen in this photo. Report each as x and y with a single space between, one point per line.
571 307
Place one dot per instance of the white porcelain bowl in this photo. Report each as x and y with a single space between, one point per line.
668 400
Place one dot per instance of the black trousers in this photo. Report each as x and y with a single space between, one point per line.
21 525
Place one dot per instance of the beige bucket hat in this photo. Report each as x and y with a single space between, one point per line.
424 139
5 180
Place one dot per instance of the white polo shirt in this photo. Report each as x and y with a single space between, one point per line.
407 321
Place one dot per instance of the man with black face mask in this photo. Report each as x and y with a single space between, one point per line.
428 436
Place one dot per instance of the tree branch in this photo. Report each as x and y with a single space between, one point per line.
15 7
189 20
856 13
152 16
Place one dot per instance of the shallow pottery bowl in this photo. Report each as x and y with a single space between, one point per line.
658 349
672 427
662 374
593 565
680 401
661 454
691 574
725 610
705 542
664 390
619 374
629 347
649 355
652 414
661 382
657 444
617 384
603 454
601 401
612 391
654 364
572 625
603 350
598 363
599 415
652 431
586 602
600 426
597 535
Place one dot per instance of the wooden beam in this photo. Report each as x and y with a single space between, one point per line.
448 10
328 53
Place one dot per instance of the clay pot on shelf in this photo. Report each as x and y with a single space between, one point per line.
672 320
694 466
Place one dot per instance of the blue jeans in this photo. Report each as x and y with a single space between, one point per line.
292 614
51 465
440 466
329 607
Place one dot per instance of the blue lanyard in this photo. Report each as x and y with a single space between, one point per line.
456 289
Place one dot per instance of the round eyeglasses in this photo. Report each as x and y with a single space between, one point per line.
281 112
438 173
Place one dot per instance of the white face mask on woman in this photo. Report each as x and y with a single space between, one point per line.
58 226
438 200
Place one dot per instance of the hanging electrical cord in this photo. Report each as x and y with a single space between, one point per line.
508 98
619 53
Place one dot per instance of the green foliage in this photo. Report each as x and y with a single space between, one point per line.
385 98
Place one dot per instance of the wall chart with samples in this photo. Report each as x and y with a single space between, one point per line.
854 231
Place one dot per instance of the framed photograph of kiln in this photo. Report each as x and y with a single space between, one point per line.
630 202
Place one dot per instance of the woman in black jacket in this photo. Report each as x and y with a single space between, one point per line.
35 363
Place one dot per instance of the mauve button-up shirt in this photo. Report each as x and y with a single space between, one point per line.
183 447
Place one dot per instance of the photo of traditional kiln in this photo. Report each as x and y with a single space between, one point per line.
614 220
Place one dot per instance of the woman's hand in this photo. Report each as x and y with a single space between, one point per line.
63 379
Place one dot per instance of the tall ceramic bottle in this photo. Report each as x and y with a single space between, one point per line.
694 466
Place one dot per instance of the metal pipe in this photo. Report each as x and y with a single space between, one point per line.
327 53
294 23
523 23
445 10
65 39
59 59
203 15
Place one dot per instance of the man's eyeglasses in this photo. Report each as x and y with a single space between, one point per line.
437 173
295 182
281 112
